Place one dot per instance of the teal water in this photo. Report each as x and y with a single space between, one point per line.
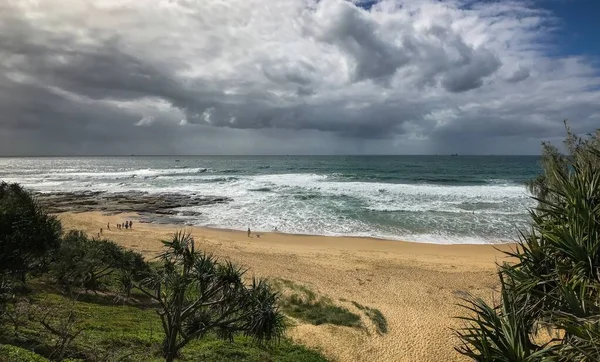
441 199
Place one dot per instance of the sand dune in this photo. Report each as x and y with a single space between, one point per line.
416 286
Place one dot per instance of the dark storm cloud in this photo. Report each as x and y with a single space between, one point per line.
195 77
470 74
378 55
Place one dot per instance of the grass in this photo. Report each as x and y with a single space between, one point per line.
302 303
375 316
132 333
13 353
319 312
283 284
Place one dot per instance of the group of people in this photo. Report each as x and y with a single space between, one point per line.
126 225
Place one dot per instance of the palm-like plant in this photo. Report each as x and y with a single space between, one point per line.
198 294
556 280
500 333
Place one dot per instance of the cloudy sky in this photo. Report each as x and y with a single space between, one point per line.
295 76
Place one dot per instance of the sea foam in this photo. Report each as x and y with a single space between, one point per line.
311 203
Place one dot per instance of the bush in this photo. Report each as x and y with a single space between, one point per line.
27 232
198 294
89 263
555 282
16 354
6 292
130 332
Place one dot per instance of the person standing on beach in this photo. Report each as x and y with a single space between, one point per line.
108 226
126 225
248 231
130 224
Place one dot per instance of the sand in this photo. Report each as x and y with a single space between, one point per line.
416 286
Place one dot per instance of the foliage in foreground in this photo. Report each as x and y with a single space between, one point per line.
14 353
124 332
554 287
203 303
197 295
92 263
27 233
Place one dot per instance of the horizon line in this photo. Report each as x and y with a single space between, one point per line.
270 155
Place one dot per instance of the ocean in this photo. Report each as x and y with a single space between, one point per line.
436 199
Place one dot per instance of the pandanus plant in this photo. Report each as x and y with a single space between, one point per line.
197 294
555 282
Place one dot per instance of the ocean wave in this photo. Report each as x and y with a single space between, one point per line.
317 203
196 178
261 189
140 173
324 184
441 210
431 180
329 225
307 196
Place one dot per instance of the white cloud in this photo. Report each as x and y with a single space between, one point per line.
439 73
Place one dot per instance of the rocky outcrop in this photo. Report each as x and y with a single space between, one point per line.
140 202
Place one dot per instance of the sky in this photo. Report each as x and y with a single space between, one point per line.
110 77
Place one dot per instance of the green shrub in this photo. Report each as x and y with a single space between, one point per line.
10 353
27 232
555 281
198 294
134 333
88 262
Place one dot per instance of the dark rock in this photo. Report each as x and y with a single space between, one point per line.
140 202
189 213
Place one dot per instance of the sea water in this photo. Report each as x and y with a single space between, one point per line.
438 199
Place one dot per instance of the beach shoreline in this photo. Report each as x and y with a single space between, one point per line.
415 285
166 209
422 199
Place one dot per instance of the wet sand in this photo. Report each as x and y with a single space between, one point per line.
416 286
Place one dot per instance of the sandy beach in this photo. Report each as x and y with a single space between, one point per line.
416 286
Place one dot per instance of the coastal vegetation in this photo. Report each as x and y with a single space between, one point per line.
69 297
549 304
83 298
198 295
28 234
122 331
299 301
375 316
